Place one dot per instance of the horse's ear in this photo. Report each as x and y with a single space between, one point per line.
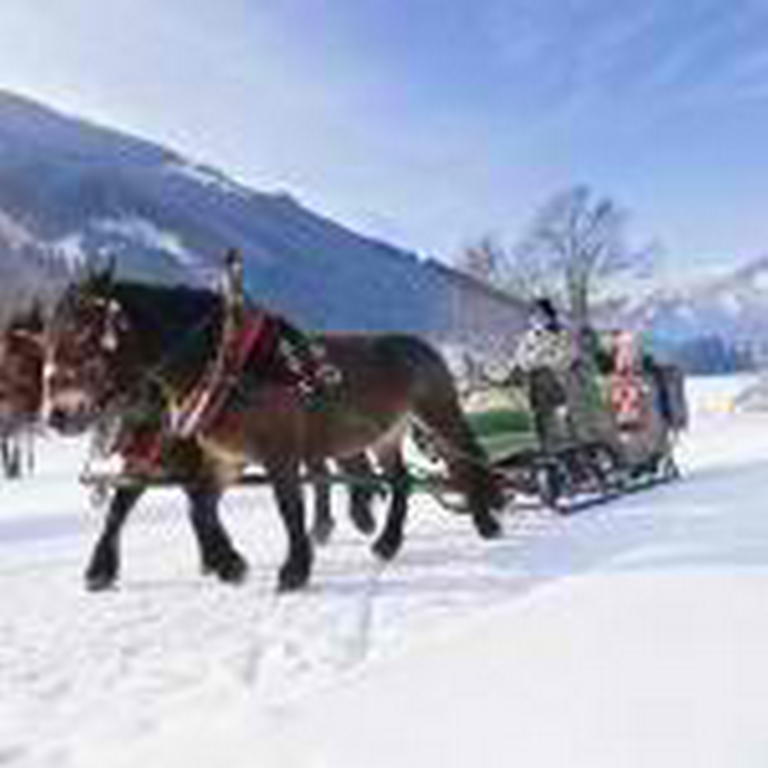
87 270
101 271
110 269
37 314
34 318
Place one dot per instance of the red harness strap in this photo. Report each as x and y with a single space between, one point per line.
142 448
203 404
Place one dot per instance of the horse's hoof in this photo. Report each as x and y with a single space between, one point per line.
290 581
294 574
363 520
488 526
233 572
321 532
99 582
498 499
386 548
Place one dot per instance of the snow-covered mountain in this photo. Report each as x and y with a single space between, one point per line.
733 308
71 191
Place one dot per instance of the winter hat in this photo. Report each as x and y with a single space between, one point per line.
544 307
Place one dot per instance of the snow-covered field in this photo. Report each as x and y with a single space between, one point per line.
630 635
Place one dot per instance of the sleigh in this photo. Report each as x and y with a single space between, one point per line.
643 402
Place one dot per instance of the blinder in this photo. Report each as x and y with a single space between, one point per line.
80 359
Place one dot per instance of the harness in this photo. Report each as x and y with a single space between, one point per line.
255 340
252 343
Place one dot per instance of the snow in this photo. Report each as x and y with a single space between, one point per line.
13 233
760 281
209 177
149 235
720 393
71 249
729 303
629 635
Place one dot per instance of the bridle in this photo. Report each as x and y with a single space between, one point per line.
83 354
94 358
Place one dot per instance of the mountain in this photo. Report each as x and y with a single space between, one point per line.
729 313
71 191
735 305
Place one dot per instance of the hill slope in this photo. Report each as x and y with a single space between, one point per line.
71 191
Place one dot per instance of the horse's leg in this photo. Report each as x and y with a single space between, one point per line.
467 461
286 483
15 467
323 523
390 539
217 553
6 453
30 453
104 564
361 491
360 496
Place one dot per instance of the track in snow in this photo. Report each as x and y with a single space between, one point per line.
80 673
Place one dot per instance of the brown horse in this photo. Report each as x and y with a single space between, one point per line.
21 365
110 343
21 385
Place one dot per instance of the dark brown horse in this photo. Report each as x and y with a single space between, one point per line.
111 343
21 383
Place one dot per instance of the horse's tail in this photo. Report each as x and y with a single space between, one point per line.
437 410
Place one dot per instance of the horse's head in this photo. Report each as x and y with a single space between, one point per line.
83 343
21 365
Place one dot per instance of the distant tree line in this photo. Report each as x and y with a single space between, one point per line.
711 354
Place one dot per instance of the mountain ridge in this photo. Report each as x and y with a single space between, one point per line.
72 191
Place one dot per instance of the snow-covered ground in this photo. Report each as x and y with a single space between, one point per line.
630 635
720 393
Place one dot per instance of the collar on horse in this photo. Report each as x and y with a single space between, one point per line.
253 339
271 347
268 343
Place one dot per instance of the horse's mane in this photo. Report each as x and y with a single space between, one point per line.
176 321
166 310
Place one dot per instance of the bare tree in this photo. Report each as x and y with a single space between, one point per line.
484 260
575 250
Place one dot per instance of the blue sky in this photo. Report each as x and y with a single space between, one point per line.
430 122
